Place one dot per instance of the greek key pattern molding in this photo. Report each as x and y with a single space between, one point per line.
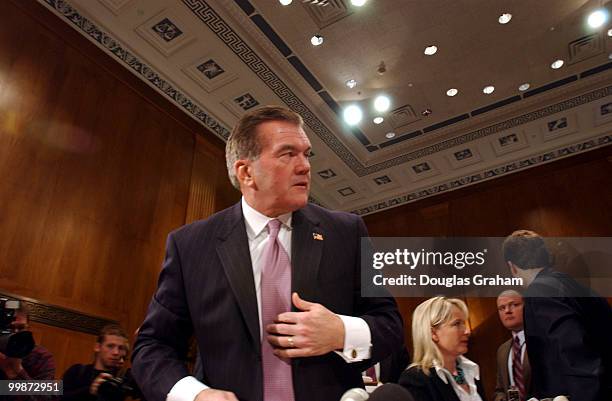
487 174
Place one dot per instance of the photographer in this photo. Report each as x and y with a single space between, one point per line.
101 380
38 364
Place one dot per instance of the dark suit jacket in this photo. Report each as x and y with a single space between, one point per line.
503 376
392 366
568 338
430 387
206 287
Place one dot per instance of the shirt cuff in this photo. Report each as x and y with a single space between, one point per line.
186 389
357 339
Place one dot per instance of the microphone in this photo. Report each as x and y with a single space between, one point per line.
355 394
391 392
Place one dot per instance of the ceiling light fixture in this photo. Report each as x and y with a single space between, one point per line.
390 135
352 115
524 87
597 18
382 103
285 2
451 92
488 89
609 32
316 40
430 50
358 3
351 83
557 64
426 112
378 120
504 18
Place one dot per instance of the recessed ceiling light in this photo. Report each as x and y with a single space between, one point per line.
382 103
451 92
610 56
609 32
351 83
285 2
390 135
524 87
378 120
504 18
316 40
557 64
488 89
430 50
426 112
597 18
352 115
358 3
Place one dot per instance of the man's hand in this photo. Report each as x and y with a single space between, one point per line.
215 395
10 366
95 384
314 331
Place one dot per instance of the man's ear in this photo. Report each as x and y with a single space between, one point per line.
513 268
242 169
97 347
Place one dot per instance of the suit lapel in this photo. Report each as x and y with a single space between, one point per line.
233 250
504 363
307 240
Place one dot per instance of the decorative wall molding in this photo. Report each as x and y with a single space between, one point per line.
134 64
494 172
57 316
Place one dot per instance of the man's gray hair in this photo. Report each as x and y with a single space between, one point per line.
243 142
510 293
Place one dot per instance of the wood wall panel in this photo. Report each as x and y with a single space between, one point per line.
210 189
96 170
572 197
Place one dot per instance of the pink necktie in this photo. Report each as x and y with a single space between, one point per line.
275 299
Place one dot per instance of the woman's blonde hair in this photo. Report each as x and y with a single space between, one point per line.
427 316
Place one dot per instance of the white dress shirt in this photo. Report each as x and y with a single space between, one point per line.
521 336
357 337
471 372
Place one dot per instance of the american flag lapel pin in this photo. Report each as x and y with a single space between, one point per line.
317 236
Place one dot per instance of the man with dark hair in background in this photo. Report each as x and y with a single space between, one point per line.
513 369
567 327
270 287
82 382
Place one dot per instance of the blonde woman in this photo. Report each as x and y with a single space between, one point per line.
439 371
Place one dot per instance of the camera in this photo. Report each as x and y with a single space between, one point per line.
13 345
117 388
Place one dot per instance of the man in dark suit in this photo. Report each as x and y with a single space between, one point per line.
510 309
269 287
567 327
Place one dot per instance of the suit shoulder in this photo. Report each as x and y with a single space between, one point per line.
414 377
322 213
207 226
503 346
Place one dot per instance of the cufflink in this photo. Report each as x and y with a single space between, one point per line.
354 353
